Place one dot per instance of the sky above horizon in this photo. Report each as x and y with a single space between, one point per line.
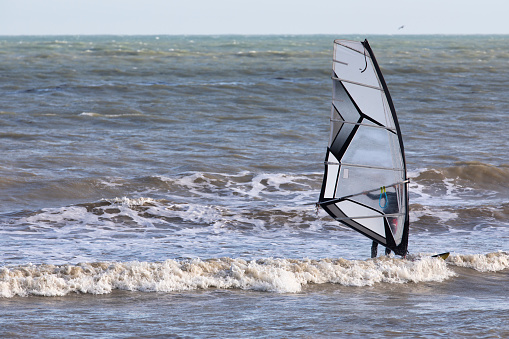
147 17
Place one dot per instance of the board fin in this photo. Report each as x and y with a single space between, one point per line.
441 255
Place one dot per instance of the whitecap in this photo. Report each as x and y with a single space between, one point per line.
270 275
491 262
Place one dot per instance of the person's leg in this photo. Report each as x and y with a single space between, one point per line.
374 249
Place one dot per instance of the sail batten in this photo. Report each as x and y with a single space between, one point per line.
363 166
365 151
367 125
370 216
358 83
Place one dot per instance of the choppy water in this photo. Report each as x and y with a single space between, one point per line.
162 186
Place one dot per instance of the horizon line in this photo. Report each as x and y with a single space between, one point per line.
249 34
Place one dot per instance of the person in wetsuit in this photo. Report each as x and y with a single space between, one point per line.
390 206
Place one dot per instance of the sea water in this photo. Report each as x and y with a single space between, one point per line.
164 186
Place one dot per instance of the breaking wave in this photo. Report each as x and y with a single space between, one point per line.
473 175
491 262
271 275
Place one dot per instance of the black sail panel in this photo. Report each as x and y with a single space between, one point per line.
365 183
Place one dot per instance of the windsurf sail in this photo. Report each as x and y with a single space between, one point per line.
365 184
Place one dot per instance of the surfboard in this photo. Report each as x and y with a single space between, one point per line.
441 255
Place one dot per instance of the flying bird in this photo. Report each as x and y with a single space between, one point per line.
401 27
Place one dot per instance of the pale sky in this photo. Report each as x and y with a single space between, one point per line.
127 17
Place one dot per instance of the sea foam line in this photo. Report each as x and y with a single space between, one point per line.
491 262
271 275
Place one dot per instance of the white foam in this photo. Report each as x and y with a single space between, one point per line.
69 217
273 275
199 213
443 216
49 216
90 114
247 185
132 202
96 115
446 193
491 262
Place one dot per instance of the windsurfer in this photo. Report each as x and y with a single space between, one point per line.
388 201
365 150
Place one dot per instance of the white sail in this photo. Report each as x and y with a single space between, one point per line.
365 183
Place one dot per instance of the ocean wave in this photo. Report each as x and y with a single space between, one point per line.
471 174
114 215
270 275
491 262
248 201
495 215
466 191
